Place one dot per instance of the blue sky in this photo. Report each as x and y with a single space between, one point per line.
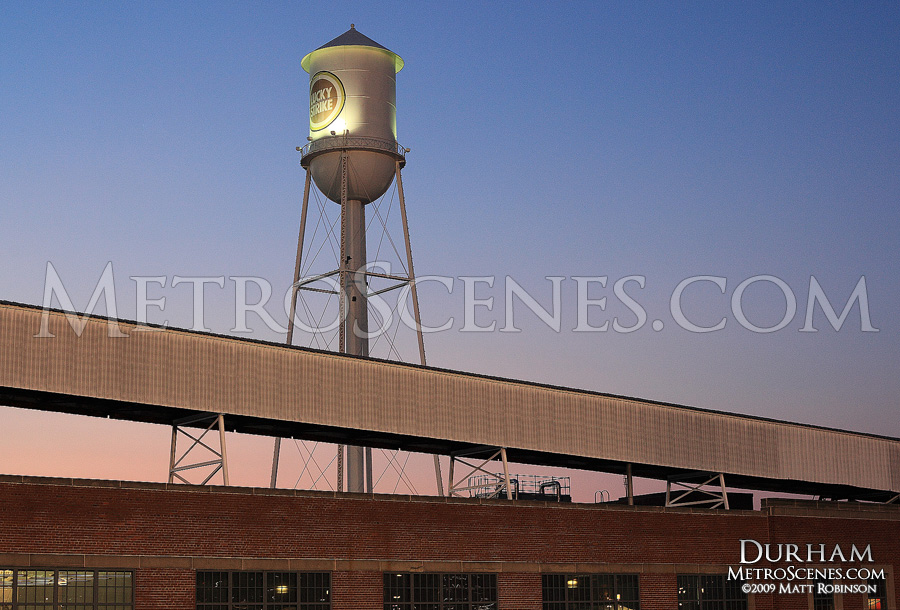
665 140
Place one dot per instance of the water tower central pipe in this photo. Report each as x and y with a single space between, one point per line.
356 321
353 243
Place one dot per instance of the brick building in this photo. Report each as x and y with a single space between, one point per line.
186 547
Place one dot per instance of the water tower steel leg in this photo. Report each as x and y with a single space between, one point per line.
450 481
342 263
724 493
292 312
629 485
221 421
437 475
506 473
275 455
415 298
172 454
294 287
369 481
409 261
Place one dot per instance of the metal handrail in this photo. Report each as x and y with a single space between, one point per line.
554 485
496 485
339 142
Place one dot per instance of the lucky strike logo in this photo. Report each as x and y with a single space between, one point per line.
326 100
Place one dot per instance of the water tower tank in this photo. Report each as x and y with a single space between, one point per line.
352 108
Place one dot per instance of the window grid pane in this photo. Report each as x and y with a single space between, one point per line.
65 590
6 589
263 591
484 590
397 594
878 599
281 588
35 587
212 588
455 588
710 592
554 591
76 589
451 591
590 592
627 593
315 590
822 601
426 591
114 590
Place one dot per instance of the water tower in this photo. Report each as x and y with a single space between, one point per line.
353 157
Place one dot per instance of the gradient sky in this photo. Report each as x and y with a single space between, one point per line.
666 140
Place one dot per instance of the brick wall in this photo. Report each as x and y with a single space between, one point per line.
519 591
164 589
658 591
188 522
167 533
355 590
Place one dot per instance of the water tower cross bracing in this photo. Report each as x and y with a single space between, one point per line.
353 157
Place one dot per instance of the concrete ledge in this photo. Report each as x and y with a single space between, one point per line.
217 563
265 564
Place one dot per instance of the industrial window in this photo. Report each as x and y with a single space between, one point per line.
822 601
591 592
6 589
440 591
263 591
66 590
878 599
710 592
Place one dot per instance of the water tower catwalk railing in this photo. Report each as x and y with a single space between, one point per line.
339 142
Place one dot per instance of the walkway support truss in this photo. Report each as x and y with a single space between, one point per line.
693 489
457 486
187 427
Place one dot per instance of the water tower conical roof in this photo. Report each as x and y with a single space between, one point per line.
352 38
